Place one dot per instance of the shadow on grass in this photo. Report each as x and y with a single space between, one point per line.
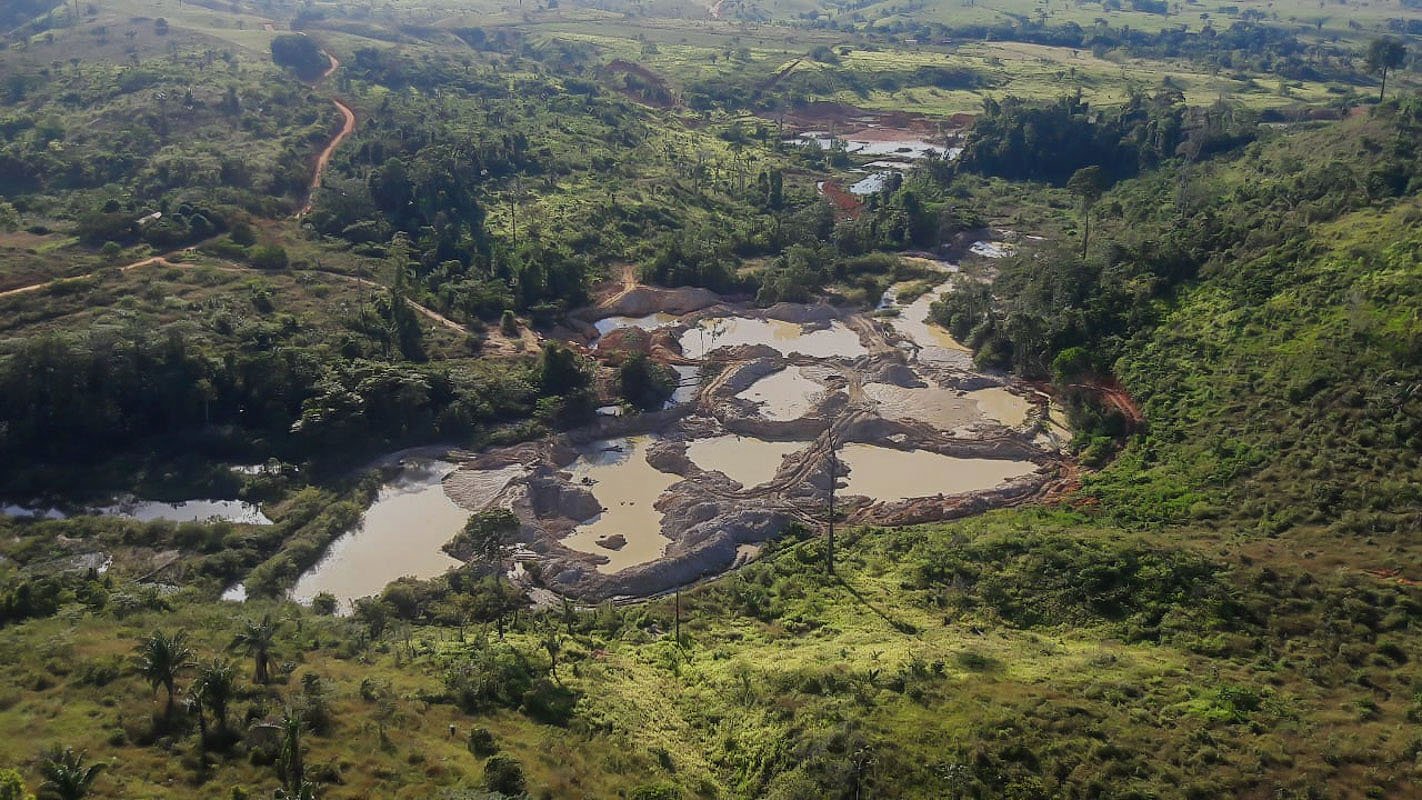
906 628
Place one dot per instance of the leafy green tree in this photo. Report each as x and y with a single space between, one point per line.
243 234
9 218
161 659
645 383
298 53
552 644
487 532
561 371
481 743
1070 363
1384 55
403 327
66 777
1088 184
257 639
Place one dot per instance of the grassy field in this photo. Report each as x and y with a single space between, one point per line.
885 677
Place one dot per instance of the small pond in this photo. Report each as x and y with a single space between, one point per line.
747 461
400 535
618 475
832 341
883 473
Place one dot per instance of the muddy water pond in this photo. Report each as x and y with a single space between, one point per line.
913 321
882 473
1004 406
618 475
833 341
749 462
875 144
945 409
784 395
649 322
400 535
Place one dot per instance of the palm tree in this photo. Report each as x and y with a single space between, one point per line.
214 687
161 659
256 640
65 775
290 766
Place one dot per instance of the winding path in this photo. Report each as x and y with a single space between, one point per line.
158 259
324 160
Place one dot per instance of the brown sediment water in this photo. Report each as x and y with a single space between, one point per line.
945 409
1004 406
747 461
400 535
618 475
784 395
713 333
883 473
650 322
913 322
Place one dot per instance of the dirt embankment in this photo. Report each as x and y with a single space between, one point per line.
846 204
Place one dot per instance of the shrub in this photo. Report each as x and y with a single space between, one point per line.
12 787
503 774
481 742
270 256
324 604
494 677
243 234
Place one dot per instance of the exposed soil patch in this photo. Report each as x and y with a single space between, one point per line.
846 204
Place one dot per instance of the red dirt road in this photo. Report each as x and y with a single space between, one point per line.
324 160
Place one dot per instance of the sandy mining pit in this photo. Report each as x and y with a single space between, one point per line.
772 401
